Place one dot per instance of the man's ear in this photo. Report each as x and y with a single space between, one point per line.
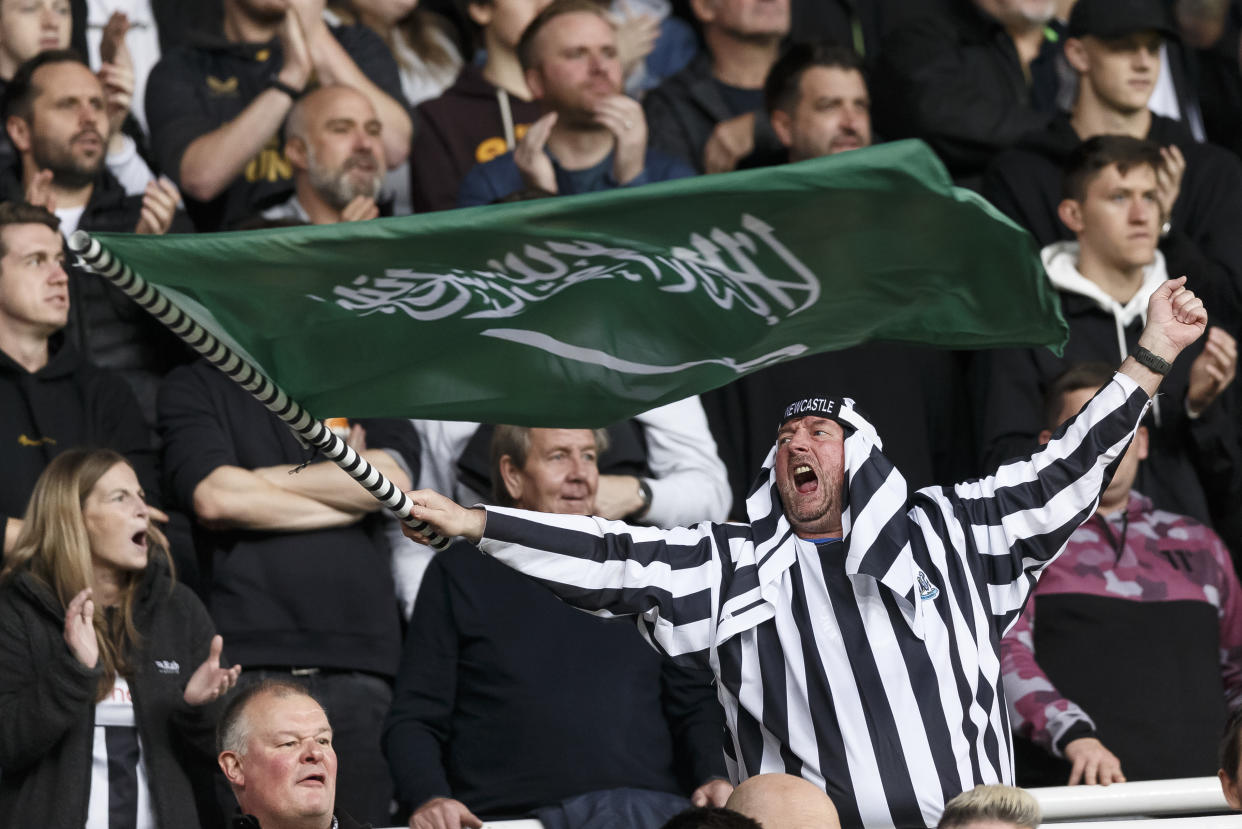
704 10
782 125
1232 796
295 152
1141 442
19 132
534 82
512 477
1076 55
231 764
1070 213
481 13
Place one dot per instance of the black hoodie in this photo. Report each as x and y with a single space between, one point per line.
1025 183
463 127
68 403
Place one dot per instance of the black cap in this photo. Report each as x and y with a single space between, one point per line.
825 407
1112 19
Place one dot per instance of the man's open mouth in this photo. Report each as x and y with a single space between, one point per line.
805 479
320 779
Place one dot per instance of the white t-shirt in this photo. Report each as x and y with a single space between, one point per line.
69 218
118 767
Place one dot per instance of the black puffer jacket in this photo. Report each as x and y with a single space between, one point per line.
47 705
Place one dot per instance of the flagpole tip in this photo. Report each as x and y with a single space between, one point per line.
79 241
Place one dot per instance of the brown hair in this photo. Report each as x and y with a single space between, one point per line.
1096 154
1075 378
22 213
526 44
53 547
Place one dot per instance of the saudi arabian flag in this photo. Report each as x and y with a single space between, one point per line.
585 310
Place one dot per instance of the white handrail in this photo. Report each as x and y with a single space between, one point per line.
1149 797
1211 822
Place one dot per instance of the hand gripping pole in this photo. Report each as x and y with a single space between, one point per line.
241 371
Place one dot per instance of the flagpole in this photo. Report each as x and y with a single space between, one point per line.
241 371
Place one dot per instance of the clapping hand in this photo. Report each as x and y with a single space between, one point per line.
80 629
211 681
116 72
532 162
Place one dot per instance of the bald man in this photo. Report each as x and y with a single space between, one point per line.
334 142
783 801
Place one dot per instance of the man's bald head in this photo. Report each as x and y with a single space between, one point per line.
333 139
783 801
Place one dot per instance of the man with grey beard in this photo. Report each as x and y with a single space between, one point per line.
970 79
333 140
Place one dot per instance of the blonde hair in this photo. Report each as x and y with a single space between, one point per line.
54 548
1004 803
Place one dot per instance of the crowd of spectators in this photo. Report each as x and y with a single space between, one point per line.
1110 129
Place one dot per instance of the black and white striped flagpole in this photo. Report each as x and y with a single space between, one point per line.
244 373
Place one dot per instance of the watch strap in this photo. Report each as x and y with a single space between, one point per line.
276 83
1152 361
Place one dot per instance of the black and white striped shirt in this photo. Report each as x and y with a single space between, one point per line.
874 669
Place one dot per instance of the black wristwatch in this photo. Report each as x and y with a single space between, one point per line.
274 82
644 492
1153 361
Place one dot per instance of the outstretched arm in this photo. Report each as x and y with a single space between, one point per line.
1020 517
671 579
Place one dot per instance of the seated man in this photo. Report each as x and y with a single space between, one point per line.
51 397
591 136
833 620
275 747
992 807
216 107
711 114
1104 280
333 142
498 676
1141 613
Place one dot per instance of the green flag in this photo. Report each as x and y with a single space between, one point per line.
586 310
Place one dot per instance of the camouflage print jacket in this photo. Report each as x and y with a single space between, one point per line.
1140 624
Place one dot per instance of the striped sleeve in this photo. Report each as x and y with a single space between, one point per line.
671 580
1018 519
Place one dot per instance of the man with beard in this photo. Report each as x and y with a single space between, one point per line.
852 626
333 140
216 107
591 136
56 116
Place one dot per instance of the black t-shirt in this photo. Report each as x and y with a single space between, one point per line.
738 100
195 89
317 598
